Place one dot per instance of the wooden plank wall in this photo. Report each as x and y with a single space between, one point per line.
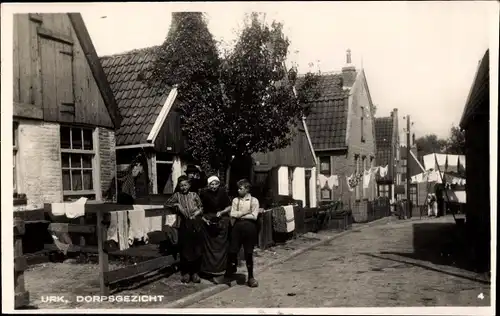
51 73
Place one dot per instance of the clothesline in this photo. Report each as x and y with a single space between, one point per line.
353 180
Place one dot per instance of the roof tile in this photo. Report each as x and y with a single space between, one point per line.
327 120
139 104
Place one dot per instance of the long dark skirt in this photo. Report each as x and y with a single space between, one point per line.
190 239
215 243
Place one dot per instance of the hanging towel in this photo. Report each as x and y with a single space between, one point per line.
118 229
332 181
366 179
429 162
290 220
76 209
279 219
383 171
452 163
58 209
137 225
122 224
322 179
441 161
171 220
153 224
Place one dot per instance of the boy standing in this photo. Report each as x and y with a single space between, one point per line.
244 213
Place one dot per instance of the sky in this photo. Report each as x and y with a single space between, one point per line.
419 57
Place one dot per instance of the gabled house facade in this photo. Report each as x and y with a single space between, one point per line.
290 171
151 124
475 122
342 130
387 153
418 191
64 112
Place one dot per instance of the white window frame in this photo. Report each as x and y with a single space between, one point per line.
95 166
325 173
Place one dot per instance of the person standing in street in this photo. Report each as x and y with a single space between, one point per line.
189 207
214 228
244 213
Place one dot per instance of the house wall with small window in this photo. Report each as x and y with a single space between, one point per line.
359 154
64 112
54 162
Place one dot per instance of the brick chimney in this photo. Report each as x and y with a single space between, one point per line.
348 71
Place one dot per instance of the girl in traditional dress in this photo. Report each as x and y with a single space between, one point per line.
215 227
189 207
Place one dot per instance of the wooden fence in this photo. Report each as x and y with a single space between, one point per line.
21 295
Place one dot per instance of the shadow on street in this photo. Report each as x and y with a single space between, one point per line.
440 243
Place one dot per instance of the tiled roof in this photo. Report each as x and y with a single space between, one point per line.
383 139
138 102
327 119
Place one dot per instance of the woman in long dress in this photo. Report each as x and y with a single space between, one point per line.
215 229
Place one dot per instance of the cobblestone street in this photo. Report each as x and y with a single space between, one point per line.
396 263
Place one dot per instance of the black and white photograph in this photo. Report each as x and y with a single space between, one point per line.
250 157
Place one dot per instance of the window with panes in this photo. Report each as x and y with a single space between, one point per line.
383 190
325 168
77 156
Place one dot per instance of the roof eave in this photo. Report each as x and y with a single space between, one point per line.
95 67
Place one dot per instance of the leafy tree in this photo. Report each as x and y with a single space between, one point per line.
455 144
429 144
237 104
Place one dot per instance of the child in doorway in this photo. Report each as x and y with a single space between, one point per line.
244 212
189 207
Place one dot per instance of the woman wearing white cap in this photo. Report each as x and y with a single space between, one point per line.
215 230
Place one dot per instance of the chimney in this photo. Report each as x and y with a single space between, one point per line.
348 71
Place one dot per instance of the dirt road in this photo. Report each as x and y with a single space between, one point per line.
399 263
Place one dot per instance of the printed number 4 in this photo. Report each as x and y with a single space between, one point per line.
480 296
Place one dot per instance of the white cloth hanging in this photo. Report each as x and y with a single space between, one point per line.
452 163
332 181
429 162
322 180
383 171
366 179
441 161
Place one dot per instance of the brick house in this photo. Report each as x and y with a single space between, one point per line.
475 122
64 113
387 153
342 132
151 124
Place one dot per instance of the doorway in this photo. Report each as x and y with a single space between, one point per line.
163 175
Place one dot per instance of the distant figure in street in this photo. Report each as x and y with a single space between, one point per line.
189 207
244 213
431 205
